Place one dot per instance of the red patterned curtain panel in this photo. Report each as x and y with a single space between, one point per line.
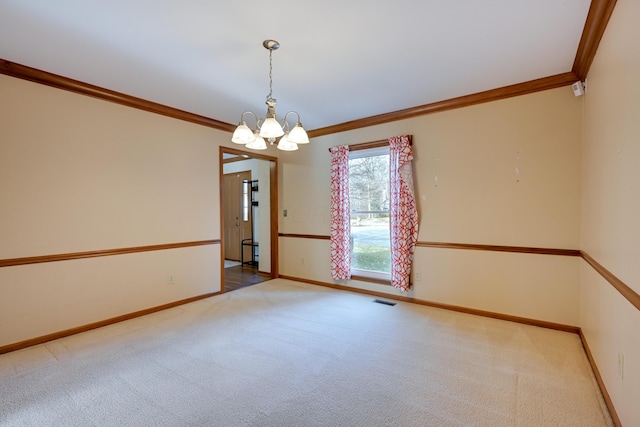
340 214
403 211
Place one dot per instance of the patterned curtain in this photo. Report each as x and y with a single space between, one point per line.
340 214
403 211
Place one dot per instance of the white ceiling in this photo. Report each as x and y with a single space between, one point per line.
339 60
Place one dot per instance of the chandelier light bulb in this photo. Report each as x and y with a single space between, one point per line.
271 128
286 144
258 143
298 134
242 134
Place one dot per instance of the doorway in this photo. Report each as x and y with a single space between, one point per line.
249 222
237 216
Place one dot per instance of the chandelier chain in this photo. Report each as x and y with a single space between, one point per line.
270 76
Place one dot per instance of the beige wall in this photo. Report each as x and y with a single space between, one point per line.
80 174
478 199
611 207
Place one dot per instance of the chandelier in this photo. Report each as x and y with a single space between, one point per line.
269 128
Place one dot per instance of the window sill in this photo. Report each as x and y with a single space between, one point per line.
371 279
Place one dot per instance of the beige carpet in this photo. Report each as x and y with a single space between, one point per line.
283 353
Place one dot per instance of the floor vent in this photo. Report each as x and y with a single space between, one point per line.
379 301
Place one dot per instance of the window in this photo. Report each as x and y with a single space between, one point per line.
246 187
383 196
369 204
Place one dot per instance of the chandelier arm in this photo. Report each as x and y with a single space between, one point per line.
254 115
292 112
284 120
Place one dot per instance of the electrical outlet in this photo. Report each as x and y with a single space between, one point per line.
418 276
621 365
171 280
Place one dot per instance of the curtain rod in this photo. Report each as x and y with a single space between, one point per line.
373 144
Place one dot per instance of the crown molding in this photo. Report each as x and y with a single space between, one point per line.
545 83
597 19
43 77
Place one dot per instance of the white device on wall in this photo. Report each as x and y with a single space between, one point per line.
579 88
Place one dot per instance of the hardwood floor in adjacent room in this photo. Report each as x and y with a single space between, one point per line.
242 276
